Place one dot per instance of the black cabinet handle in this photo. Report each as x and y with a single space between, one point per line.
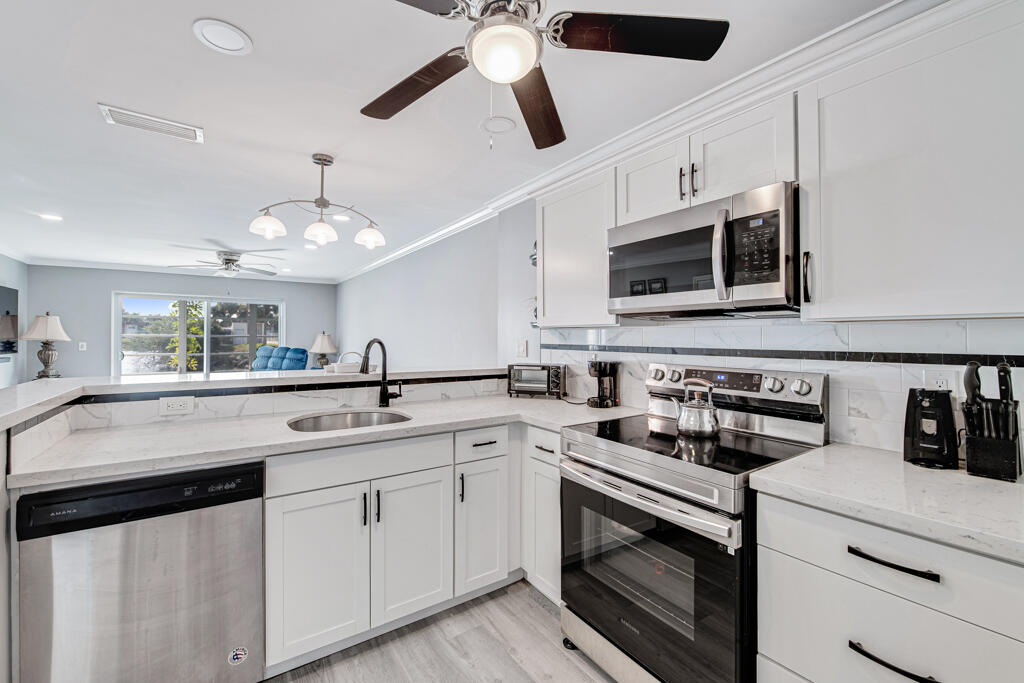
541 448
926 574
378 506
807 285
462 487
693 179
484 443
365 505
859 649
682 183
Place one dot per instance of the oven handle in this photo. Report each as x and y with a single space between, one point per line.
608 486
718 254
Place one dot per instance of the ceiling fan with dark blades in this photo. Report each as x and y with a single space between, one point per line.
505 45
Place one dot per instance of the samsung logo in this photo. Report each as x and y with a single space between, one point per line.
61 513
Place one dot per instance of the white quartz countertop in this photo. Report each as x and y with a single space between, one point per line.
24 401
948 506
142 449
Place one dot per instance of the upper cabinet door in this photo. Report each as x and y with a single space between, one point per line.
411 546
653 183
755 148
909 163
481 523
318 569
572 253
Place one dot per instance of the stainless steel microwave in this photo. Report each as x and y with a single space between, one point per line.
733 257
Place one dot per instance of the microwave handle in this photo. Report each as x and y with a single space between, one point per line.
718 254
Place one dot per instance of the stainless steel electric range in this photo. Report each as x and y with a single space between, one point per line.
657 529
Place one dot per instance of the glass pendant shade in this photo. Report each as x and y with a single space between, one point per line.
370 237
321 233
268 226
504 51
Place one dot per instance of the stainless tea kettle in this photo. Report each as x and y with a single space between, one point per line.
696 417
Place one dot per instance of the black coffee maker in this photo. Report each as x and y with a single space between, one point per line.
929 435
607 387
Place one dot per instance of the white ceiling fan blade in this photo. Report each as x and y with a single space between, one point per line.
196 267
262 253
220 245
189 246
247 269
209 263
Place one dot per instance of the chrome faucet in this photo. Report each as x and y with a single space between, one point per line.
385 396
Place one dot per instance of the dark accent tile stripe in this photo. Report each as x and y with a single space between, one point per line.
848 356
38 419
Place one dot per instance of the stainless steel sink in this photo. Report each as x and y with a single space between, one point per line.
345 419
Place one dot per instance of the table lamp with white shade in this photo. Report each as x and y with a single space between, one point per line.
8 332
47 329
323 346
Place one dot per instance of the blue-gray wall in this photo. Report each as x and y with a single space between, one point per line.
14 274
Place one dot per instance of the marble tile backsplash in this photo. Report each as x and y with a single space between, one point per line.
867 401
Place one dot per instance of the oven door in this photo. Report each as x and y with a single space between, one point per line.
671 264
659 578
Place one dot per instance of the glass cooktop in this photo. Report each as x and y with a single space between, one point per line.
729 452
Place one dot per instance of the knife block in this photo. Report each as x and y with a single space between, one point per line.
993 457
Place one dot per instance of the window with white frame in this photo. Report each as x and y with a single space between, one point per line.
164 334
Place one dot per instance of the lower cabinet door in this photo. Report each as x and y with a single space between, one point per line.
317 569
412 543
543 530
481 523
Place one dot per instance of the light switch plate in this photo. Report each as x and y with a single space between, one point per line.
177 405
81 346
523 348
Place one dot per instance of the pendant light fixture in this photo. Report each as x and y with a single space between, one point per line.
319 233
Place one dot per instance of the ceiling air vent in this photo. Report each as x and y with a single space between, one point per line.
133 119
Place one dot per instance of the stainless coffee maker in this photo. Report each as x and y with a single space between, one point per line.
607 386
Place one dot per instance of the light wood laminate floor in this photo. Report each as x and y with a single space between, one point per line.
512 634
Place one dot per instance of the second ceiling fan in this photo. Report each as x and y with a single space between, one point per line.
505 45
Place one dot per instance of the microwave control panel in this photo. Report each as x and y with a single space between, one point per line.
757 247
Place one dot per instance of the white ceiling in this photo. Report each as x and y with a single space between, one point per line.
126 195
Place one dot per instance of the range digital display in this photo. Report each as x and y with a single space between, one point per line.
737 381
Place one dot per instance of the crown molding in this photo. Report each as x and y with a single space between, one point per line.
888 25
63 263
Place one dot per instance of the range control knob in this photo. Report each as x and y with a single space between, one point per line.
675 376
773 384
801 387
657 374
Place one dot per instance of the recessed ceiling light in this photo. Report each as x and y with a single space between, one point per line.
286 270
51 217
311 246
341 217
221 36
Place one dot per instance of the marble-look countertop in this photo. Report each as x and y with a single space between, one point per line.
98 453
24 401
947 506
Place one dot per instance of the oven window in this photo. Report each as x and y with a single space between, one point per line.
666 596
680 262
533 377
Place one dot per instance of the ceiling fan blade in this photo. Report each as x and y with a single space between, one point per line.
417 85
220 245
538 107
209 263
263 253
247 269
676 37
188 246
438 7
196 267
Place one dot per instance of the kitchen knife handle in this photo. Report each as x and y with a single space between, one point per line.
972 382
1005 383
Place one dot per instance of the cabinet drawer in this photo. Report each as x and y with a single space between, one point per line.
542 445
809 617
335 466
974 588
770 672
477 444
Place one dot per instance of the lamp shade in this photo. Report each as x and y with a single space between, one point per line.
268 226
8 327
370 237
323 344
46 328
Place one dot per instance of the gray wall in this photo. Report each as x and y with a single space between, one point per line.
460 303
83 298
14 274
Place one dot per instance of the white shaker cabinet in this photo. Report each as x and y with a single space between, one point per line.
411 543
481 523
754 148
542 525
572 253
317 569
909 166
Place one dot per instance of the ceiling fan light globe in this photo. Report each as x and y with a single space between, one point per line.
503 48
370 237
321 233
268 226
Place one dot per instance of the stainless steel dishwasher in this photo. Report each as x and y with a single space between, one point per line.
151 580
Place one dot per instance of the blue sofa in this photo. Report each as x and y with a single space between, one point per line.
280 358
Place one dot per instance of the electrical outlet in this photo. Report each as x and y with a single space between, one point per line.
81 346
522 348
177 405
942 380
